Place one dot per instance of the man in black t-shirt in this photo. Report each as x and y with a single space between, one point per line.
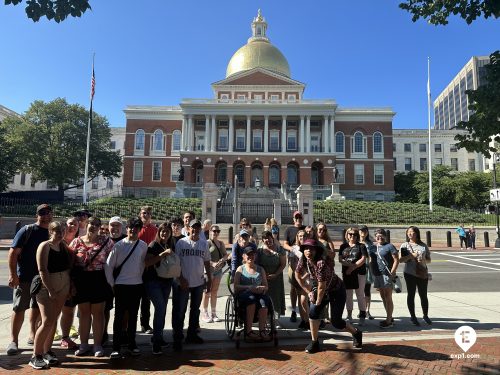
22 268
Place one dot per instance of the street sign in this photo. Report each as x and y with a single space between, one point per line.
495 195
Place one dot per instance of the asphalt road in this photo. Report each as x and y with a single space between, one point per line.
452 271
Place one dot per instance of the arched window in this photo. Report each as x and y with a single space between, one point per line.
239 170
339 142
378 143
274 175
358 145
291 174
176 141
139 140
158 141
221 173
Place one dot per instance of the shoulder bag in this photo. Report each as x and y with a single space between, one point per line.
396 283
169 267
117 270
420 269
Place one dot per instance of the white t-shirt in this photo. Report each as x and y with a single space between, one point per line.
131 273
193 255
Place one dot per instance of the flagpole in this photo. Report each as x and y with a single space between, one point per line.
85 178
429 164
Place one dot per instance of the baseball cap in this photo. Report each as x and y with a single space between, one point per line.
194 222
43 206
115 219
249 249
244 233
297 213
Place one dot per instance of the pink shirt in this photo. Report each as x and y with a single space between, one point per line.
84 253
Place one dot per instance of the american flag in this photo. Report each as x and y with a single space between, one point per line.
92 85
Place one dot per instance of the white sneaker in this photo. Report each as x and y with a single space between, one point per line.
215 318
206 318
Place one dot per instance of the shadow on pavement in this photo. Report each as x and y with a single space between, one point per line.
5 294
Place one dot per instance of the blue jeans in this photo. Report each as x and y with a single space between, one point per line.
180 300
158 292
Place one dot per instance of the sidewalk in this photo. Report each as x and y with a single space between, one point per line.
402 349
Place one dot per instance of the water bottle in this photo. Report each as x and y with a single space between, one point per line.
396 282
262 303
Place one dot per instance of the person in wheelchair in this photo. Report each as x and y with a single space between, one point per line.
325 288
250 285
237 250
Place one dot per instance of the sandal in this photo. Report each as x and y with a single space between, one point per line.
264 336
253 336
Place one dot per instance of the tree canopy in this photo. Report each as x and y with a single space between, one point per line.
50 141
484 122
7 160
57 10
437 12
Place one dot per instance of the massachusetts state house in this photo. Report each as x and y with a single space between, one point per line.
259 127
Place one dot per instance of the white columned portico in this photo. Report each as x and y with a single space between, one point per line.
332 135
207 133
190 133
301 135
308 133
249 123
231 133
213 138
283 134
266 133
324 135
183 133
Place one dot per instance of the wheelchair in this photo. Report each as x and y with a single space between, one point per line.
235 319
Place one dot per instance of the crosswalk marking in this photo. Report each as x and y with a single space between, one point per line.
474 265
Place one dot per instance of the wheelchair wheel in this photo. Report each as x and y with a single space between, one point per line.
230 317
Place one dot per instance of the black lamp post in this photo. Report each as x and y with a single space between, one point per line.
495 160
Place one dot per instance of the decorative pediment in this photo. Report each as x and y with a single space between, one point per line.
257 77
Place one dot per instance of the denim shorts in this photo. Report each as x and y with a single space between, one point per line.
382 281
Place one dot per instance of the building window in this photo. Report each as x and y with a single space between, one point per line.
378 143
32 182
175 166
274 140
453 148
378 174
437 147
359 143
23 179
257 140
315 145
224 98
359 174
472 164
221 173
407 147
394 164
274 175
275 98
439 161
139 141
240 139
339 142
292 174
223 138
240 98
408 164
95 183
157 171
394 147
291 140
379 197
258 98
176 141
109 183
200 141
341 173
423 164
422 147
359 197
112 145
291 98
137 171
454 164
239 171
157 145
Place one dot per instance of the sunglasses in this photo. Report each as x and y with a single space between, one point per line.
352 234
216 230
44 212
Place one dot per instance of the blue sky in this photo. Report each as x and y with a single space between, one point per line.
361 53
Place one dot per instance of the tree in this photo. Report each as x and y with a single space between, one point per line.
404 187
7 160
51 139
437 12
58 10
484 122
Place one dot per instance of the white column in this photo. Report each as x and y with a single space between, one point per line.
308 134
324 135
231 133
213 138
283 134
249 135
207 133
266 133
190 133
301 135
183 133
331 126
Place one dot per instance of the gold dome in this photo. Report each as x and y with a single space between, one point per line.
258 53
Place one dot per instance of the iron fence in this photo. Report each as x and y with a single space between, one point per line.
257 212
287 210
225 212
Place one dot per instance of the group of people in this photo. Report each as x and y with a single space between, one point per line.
56 267
83 263
467 237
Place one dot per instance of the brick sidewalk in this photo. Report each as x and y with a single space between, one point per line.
405 357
